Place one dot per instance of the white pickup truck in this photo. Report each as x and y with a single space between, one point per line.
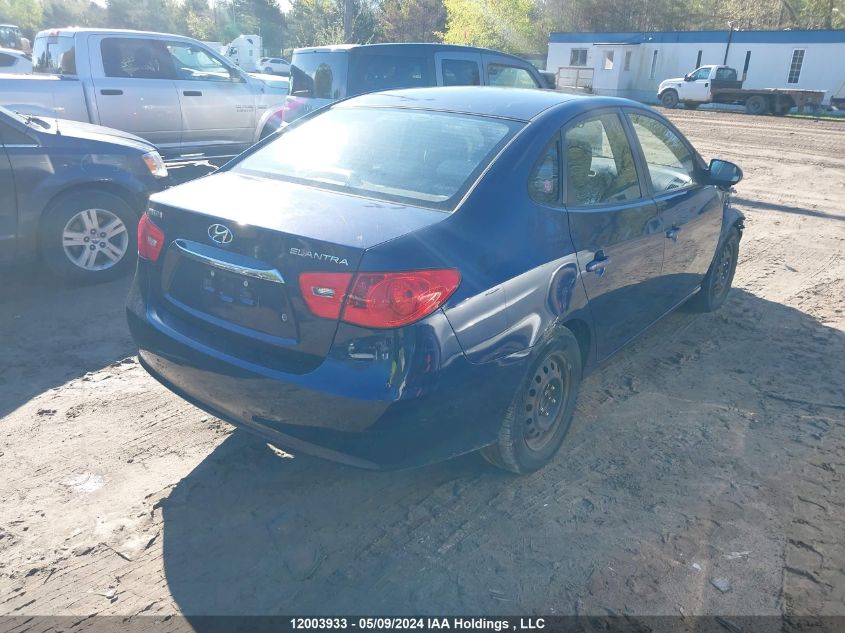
719 84
170 90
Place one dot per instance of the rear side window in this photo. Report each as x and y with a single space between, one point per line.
600 166
384 72
510 76
137 58
671 164
543 184
10 37
417 156
54 55
726 74
460 72
319 75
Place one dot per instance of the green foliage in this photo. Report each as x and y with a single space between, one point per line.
412 20
506 25
27 14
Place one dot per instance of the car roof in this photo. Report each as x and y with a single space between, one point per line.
523 104
407 47
12 51
69 30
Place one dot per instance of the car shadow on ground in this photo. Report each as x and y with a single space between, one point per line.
53 331
660 431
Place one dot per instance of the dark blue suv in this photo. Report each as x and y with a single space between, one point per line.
410 275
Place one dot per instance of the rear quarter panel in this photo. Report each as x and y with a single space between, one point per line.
519 273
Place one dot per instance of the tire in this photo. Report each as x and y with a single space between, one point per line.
757 104
268 71
528 440
717 281
65 239
691 105
669 99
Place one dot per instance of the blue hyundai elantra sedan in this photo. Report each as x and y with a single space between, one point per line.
407 276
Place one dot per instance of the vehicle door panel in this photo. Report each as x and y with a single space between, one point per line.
616 231
690 212
8 206
699 90
134 88
217 109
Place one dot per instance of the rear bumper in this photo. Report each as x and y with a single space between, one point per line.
419 403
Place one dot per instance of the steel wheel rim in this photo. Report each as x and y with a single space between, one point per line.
722 271
543 403
95 239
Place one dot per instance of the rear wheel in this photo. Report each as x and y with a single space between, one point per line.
717 282
268 70
89 236
542 409
669 99
758 104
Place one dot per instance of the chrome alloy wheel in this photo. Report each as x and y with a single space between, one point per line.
95 239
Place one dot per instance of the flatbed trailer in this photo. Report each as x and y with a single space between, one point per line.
719 84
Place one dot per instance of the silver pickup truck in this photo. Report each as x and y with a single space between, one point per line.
170 90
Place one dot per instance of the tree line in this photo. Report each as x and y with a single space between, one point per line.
519 26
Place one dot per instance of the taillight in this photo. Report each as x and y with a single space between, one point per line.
378 300
150 239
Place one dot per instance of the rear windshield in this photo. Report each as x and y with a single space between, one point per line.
319 75
54 54
415 156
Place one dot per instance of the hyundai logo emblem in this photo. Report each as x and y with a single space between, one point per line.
220 234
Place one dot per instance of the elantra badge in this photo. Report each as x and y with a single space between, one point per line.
220 234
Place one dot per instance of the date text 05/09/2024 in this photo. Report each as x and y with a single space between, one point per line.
411 623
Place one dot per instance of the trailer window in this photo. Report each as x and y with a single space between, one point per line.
578 57
653 64
795 66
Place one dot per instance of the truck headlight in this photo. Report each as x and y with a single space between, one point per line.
155 164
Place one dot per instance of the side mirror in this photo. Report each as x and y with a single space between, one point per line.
688 77
724 174
235 76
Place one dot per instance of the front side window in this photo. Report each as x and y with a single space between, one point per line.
578 57
197 64
600 166
701 73
385 72
54 55
10 37
416 156
136 58
510 76
460 72
543 183
6 60
670 162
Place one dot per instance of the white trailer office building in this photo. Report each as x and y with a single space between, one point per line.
633 64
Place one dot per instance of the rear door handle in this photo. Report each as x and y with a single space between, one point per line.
109 92
598 264
672 233
192 93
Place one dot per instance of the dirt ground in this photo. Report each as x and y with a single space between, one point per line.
714 447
